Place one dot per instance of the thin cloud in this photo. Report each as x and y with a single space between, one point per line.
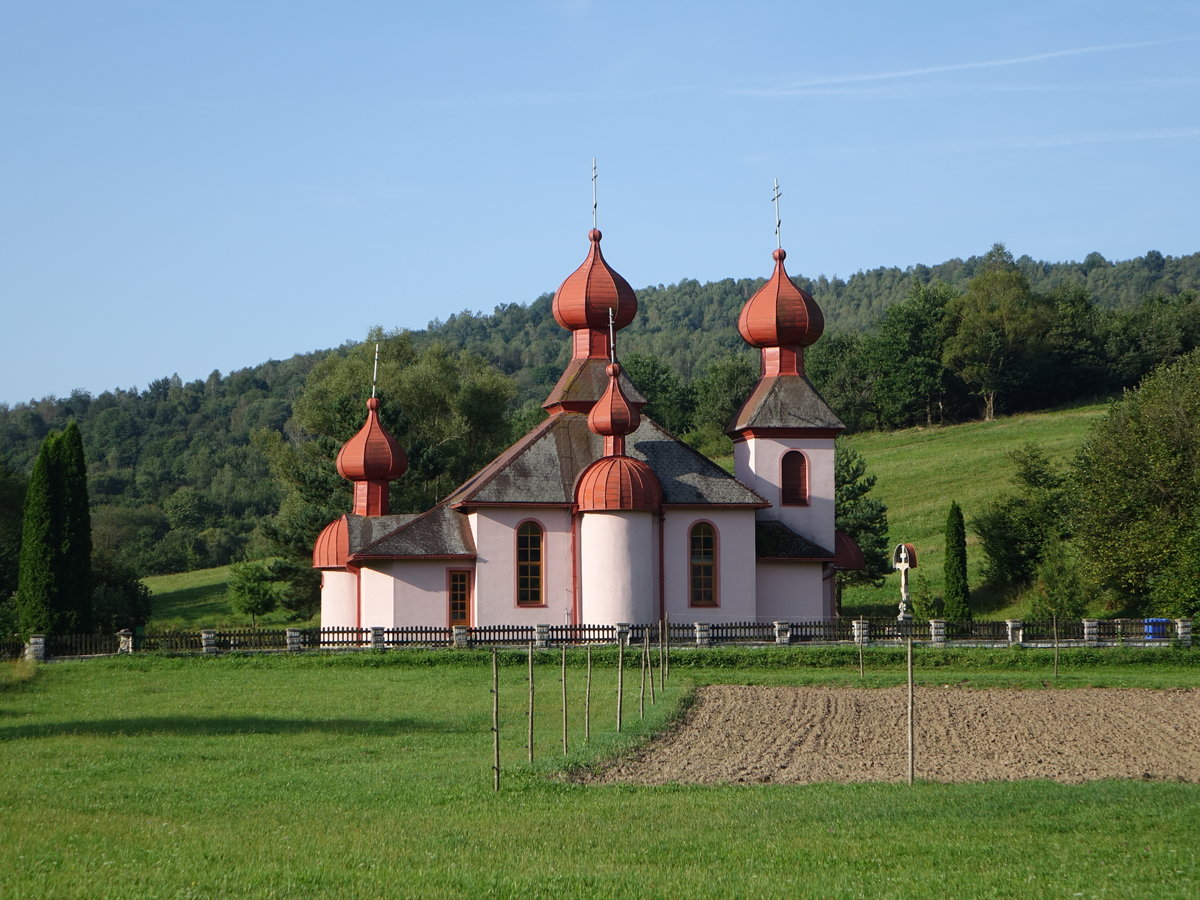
811 85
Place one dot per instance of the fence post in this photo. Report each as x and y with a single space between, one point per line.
622 633
1183 632
462 636
937 632
1016 631
294 641
377 638
783 633
35 650
124 641
862 631
208 640
543 637
703 634
1091 632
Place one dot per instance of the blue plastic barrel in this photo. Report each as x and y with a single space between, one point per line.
1156 629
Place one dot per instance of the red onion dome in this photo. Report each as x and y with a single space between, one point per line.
584 299
332 549
613 414
372 454
780 314
618 483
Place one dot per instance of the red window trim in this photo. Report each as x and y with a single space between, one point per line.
517 565
784 481
714 565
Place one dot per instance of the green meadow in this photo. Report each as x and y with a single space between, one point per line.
368 775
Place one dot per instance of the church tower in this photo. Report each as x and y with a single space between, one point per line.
783 434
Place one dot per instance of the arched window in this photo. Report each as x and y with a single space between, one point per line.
793 480
702 575
529 564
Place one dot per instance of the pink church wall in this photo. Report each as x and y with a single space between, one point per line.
339 599
618 567
406 592
495 531
791 591
735 564
757 464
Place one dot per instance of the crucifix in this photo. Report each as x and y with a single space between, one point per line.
904 557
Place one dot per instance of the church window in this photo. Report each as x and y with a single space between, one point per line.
794 479
703 565
460 596
530 539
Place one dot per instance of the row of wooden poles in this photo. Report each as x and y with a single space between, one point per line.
647 679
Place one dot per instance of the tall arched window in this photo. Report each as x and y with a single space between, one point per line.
793 479
530 538
702 574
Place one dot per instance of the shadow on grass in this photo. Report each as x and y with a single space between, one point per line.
206 726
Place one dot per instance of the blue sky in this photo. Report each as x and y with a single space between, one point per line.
199 185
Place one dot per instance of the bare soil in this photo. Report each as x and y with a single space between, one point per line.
797 735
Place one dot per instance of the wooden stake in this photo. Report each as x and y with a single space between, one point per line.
1054 622
650 664
911 756
530 739
642 689
495 723
564 697
662 665
667 640
587 700
620 678
860 645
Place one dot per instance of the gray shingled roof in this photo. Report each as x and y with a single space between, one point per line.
439 532
541 468
785 401
586 380
365 530
774 540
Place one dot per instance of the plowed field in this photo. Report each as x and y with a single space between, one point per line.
789 735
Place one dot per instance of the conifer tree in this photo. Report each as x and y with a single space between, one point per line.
54 591
956 605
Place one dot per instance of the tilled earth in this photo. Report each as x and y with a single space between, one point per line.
794 735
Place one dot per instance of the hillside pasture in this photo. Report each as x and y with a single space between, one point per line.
367 775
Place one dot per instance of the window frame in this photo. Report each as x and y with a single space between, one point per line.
518 576
470 576
711 565
787 484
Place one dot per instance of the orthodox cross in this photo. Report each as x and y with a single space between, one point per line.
375 372
778 221
593 192
612 336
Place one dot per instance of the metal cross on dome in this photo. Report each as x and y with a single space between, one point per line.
776 194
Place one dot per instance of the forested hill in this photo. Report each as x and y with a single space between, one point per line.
526 342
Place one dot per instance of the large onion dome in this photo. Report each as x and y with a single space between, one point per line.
585 297
372 454
781 314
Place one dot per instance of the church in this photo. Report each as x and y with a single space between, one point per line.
599 515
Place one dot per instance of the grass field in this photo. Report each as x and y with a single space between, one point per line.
921 470
367 775
192 600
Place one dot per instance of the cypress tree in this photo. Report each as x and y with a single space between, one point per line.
54 590
37 586
957 600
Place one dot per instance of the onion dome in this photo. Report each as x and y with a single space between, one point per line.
780 314
613 415
372 454
614 483
332 549
585 297
371 459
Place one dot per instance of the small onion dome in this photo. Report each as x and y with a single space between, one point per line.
780 314
332 549
584 299
613 414
372 454
618 483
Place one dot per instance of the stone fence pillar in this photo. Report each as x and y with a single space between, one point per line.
783 633
1183 632
703 634
1016 631
295 641
937 631
862 632
622 633
208 640
35 650
377 642
124 641
462 636
542 641
1091 632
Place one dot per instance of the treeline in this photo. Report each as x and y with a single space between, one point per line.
186 475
